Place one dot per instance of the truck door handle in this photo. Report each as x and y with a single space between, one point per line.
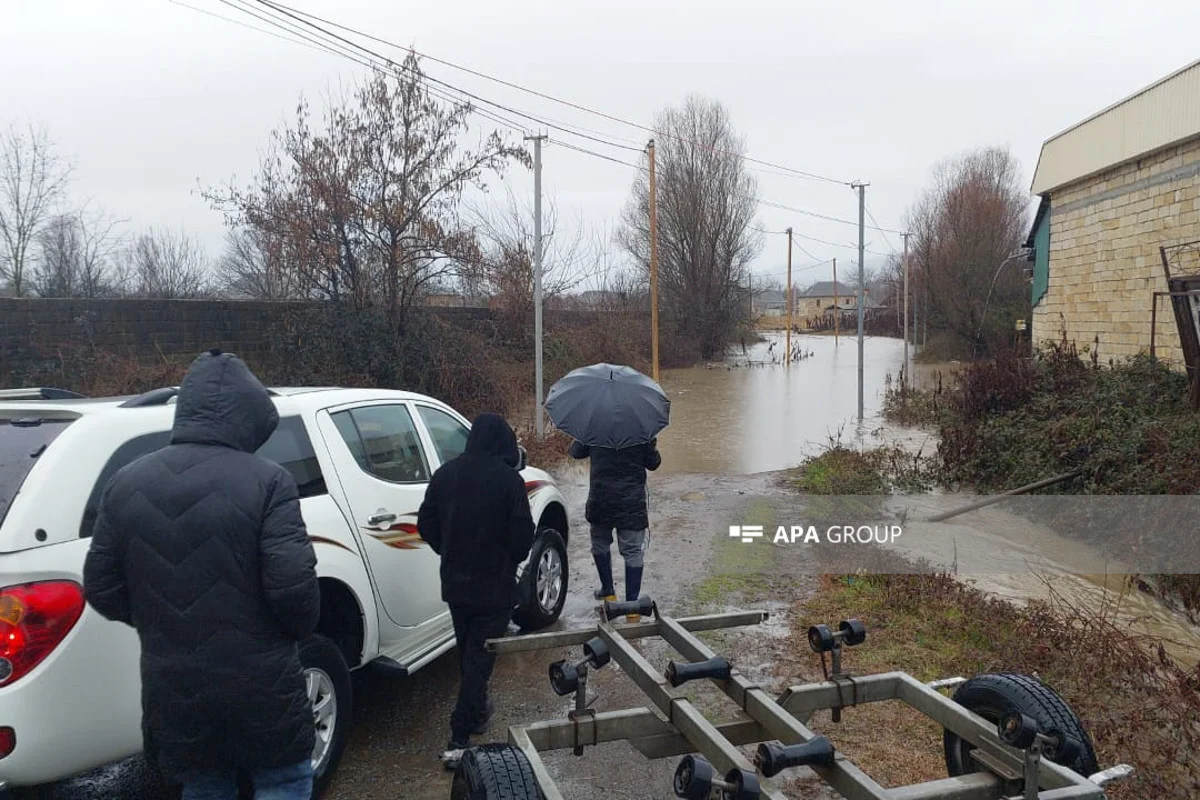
380 517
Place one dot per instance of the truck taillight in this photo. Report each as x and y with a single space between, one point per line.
34 619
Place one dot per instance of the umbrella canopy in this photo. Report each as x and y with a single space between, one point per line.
607 405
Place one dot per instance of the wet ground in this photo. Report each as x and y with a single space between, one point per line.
730 427
402 724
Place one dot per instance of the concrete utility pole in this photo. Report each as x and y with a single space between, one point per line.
862 288
904 262
787 352
837 309
653 263
537 279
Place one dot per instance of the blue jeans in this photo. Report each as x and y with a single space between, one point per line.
281 783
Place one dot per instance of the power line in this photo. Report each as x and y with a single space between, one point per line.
826 242
340 45
799 247
867 208
296 13
247 25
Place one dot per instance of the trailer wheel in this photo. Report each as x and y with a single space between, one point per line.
494 772
995 695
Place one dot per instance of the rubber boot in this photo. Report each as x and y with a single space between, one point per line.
604 569
633 588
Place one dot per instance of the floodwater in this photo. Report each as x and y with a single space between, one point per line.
745 416
749 415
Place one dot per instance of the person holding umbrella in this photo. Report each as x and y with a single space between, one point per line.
614 413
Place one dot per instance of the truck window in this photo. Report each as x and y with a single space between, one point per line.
22 441
384 441
289 447
448 434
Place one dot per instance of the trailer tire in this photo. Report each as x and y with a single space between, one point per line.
494 772
994 695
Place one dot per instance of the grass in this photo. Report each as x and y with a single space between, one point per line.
1139 706
842 471
738 571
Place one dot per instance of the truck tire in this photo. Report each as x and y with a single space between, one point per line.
543 589
994 695
326 672
494 772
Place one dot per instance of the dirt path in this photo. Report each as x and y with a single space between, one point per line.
402 724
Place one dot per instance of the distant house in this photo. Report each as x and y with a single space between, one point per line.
769 302
823 297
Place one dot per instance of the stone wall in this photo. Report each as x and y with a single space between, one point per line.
36 334
1105 235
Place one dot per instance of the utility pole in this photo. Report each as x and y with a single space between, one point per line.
537 280
862 205
653 264
787 353
904 262
837 308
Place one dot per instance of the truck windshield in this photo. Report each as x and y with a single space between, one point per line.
22 441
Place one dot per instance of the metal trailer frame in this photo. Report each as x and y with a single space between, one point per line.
1007 771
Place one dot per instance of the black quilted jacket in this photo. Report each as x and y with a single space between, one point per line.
201 548
617 495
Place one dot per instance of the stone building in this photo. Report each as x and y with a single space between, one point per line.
1115 189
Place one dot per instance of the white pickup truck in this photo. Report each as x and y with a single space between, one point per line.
69 679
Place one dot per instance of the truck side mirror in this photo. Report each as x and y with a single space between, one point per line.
522 457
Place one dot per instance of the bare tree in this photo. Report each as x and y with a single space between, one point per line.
33 180
706 205
366 212
252 267
504 268
75 256
966 227
165 264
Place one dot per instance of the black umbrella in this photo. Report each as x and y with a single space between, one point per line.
606 405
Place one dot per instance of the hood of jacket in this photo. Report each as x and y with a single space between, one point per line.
491 435
220 402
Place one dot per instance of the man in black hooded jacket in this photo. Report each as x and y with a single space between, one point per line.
201 548
476 517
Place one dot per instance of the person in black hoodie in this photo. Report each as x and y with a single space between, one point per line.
476 517
617 500
201 548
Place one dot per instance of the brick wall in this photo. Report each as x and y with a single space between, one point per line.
35 334
1105 234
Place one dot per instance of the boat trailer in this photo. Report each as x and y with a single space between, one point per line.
1011 757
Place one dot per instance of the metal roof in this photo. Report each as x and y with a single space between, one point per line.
1163 114
825 289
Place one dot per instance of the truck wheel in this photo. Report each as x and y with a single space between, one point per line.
994 695
327 679
494 772
544 584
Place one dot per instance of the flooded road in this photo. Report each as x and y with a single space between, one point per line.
734 419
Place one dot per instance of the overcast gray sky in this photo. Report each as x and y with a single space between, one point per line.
150 99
